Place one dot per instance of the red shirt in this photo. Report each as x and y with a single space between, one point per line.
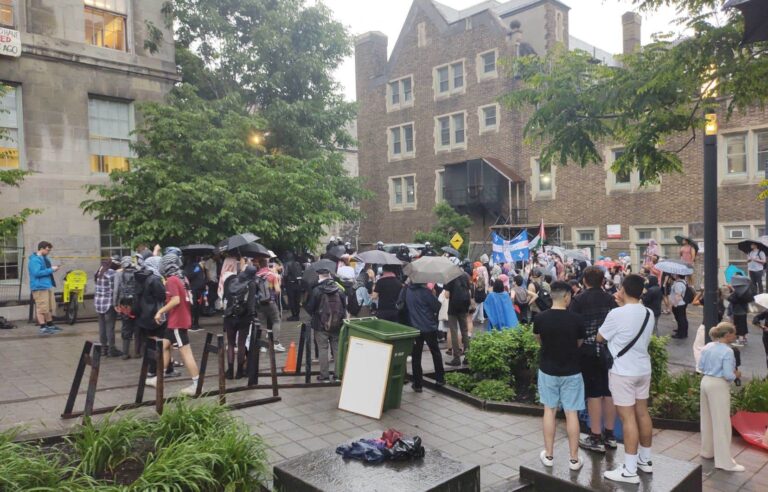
180 317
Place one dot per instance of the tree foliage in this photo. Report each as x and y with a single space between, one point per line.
655 96
199 178
449 222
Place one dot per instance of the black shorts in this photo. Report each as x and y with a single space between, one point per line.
178 337
595 378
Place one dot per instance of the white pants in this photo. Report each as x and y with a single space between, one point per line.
716 421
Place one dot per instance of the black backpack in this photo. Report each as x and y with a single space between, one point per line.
544 301
331 311
689 294
236 293
128 292
262 292
350 289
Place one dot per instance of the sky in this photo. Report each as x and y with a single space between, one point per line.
598 22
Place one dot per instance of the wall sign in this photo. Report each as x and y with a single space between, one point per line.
614 231
10 43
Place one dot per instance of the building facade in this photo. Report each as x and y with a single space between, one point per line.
431 128
68 114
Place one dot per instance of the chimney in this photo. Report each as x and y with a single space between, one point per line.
630 24
370 60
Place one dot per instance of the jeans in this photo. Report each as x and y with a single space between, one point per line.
107 328
757 281
418 346
458 322
681 319
294 298
325 339
270 318
212 295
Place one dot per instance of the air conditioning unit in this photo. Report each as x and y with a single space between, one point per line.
736 234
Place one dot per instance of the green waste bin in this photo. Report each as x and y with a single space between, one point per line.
399 336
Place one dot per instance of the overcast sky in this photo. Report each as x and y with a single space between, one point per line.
598 22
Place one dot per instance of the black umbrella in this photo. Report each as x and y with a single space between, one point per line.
451 251
690 240
746 246
236 241
310 274
336 252
254 250
755 19
198 249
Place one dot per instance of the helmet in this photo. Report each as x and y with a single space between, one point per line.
427 244
172 250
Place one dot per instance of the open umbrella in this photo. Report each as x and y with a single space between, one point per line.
198 249
746 245
755 19
451 251
236 241
762 300
690 240
606 263
336 252
254 250
376 257
739 281
675 267
576 255
436 269
732 271
310 274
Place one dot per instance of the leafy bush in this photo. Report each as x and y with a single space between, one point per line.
659 358
185 419
490 354
242 457
102 447
25 467
526 348
494 390
752 397
461 380
678 397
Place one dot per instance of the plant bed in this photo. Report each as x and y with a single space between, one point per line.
190 447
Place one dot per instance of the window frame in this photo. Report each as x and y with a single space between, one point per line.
480 65
20 147
452 89
402 104
537 194
633 186
439 185
19 259
578 243
126 16
482 127
106 252
131 136
752 174
393 205
403 154
639 244
452 145
13 5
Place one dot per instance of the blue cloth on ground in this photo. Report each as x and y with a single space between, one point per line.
500 311
363 451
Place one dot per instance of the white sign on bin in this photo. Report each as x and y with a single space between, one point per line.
10 43
365 377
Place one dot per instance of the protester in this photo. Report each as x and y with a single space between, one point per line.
679 306
761 321
650 252
124 299
194 272
499 308
422 308
267 310
210 265
627 329
560 383
240 294
522 298
105 308
458 295
41 283
327 306
538 291
480 283
385 294
593 305
151 297
292 272
652 300
718 366
687 252
756 266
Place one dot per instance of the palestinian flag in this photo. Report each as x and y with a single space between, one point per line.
538 241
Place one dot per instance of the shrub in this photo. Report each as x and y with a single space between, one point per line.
187 419
490 354
26 467
752 397
102 447
678 397
184 465
242 457
494 390
525 347
461 380
659 358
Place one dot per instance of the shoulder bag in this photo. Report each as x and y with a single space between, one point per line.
605 355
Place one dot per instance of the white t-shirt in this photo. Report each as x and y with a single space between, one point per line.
346 272
620 327
752 265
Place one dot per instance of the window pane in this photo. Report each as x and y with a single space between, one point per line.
669 233
6 13
111 244
622 177
110 128
410 190
545 177
398 187
107 164
408 129
394 90
442 78
458 75
8 113
489 62
645 234
762 150
458 128
735 256
10 254
395 134
736 152
105 29
586 236
445 131
490 116
9 148
407 94
112 5
440 186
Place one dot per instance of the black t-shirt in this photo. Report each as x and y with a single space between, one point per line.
559 331
459 300
388 289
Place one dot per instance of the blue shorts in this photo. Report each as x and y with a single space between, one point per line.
562 391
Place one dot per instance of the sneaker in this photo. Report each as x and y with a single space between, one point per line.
408 359
263 350
55 328
190 390
195 328
417 389
645 466
152 382
609 440
737 343
173 374
622 475
547 461
279 347
45 331
734 468
115 352
576 464
454 362
322 379
592 443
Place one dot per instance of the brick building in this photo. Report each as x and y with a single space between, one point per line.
75 73
430 128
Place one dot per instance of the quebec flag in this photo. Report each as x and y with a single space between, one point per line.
515 249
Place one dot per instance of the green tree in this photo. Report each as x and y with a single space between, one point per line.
654 96
449 222
198 177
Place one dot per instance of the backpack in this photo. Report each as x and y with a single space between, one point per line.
460 292
235 297
689 294
521 295
480 289
331 311
262 292
350 289
544 301
5 324
128 291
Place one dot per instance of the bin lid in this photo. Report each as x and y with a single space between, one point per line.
382 329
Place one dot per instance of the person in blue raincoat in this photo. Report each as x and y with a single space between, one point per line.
499 309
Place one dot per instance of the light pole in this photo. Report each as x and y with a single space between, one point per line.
710 224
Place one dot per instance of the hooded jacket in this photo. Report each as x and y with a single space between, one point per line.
40 273
327 286
423 308
653 296
150 300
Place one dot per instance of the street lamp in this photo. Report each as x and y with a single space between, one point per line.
710 223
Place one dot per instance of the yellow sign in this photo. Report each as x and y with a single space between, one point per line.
457 241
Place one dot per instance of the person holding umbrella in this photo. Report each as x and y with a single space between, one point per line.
688 250
739 300
422 308
755 264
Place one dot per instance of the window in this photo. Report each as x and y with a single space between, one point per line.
110 124
762 150
449 79
6 15
11 254
450 132
624 180
111 244
439 186
621 178
743 156
586 238
400 93
486 65
542 180
10 127
736 154
664 236
488 116
559 26
731 236
401 144
106 22
402 192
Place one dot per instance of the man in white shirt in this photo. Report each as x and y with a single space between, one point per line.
627 330
755 265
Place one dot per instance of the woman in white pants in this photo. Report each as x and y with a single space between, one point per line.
718 366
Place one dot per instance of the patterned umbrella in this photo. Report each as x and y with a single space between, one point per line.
675 267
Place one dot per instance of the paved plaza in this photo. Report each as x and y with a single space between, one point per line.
37 373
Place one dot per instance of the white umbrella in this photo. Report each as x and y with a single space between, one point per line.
675 267
438 269
376 257
762 300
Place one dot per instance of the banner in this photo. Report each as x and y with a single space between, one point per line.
508 251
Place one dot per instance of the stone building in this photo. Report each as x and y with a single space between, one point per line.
431 128
68 115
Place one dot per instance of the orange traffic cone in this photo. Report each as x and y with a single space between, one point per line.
290 361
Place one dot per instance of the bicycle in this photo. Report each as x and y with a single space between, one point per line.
72 296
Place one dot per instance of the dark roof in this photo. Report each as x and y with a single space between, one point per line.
504 169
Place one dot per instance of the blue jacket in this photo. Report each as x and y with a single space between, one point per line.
40 273
423 308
